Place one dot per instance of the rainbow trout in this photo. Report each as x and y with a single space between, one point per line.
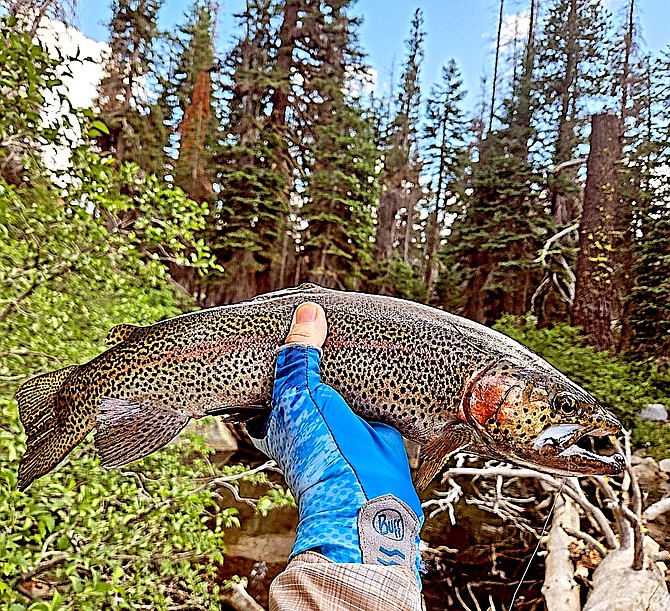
441 380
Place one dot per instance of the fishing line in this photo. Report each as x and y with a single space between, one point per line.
537 547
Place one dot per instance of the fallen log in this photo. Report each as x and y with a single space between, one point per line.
618 587
560 590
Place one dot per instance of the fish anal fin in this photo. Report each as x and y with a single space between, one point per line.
434 454
128 430
120 333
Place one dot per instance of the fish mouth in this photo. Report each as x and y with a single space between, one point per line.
561 450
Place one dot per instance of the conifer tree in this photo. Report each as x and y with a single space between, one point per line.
401 155
572 60
646 328
120 94
498 234
341 186
444 160
250 225
193 90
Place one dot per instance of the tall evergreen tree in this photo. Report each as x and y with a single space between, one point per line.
341 185
401 155
497 236
572 60
193 89
251 217
120 94
445 159
647 324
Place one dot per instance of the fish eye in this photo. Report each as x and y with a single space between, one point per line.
565 404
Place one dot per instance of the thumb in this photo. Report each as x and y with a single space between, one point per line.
309 325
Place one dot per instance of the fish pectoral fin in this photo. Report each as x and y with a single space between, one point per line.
434 454
120 333
127 430
240 413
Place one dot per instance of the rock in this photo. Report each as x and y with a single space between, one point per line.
655 412
665 465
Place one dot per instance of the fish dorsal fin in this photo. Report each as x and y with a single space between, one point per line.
434 454
127 430
305 287
120 333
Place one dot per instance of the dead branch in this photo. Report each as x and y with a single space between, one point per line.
617 587
617 509
657 509
239 599
581 500
588 539
561 591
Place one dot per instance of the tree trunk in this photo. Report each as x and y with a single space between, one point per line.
565 206
592 309
495 66
287 35
389 204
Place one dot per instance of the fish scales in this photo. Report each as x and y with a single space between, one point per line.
440 379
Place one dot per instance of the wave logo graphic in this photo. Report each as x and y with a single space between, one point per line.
389 524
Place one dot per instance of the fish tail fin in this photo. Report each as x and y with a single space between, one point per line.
48 440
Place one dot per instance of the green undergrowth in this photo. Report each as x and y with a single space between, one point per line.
623 386
151 535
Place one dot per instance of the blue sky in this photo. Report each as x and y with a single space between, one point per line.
460 29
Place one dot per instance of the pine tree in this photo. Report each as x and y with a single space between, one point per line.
401 155
629 90
572 60
498 234
445 158
340 186
502 221
646 329
193 90
250 228
120 94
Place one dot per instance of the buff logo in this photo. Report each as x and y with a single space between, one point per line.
389 524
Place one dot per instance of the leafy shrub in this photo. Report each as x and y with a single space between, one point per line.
149 536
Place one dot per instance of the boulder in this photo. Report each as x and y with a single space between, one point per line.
654 412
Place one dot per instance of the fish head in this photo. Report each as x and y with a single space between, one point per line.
536 417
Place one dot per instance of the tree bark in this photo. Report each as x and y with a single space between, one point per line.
389 205
592 309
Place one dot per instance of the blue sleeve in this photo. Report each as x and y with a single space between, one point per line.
334 462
